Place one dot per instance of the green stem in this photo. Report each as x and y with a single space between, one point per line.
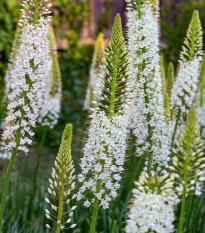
138 8
175 127
185 180
6 183
150 131
113 93
35 18
95 209
60 206
31 201
6 162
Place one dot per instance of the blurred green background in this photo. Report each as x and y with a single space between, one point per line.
77 23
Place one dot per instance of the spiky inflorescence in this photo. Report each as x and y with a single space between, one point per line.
62 185
152 206
186 84
95 81
27 76
104 151
188 161
51 106
149 122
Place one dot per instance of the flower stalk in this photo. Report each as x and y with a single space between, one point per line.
62 186
104 151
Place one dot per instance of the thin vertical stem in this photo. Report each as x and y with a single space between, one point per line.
60 206
95 209
6 162
185 180
7 178
36 11
150 132
175 127
30 205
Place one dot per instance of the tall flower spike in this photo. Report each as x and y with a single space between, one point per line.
62 185
186 84
152 206
188 163
148 118
95 81
50 110
104 151
27 76
27 84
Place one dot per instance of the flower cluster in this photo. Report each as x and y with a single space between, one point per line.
95 81
104 156
51 107
148 114
62 185
186 85
152 208
27 77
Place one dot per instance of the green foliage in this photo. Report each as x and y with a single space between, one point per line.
71 15
116 68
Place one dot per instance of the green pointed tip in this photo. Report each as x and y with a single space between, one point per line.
117 26
99 50
67 134
171 67
195 20
100 37
195 14
191 118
